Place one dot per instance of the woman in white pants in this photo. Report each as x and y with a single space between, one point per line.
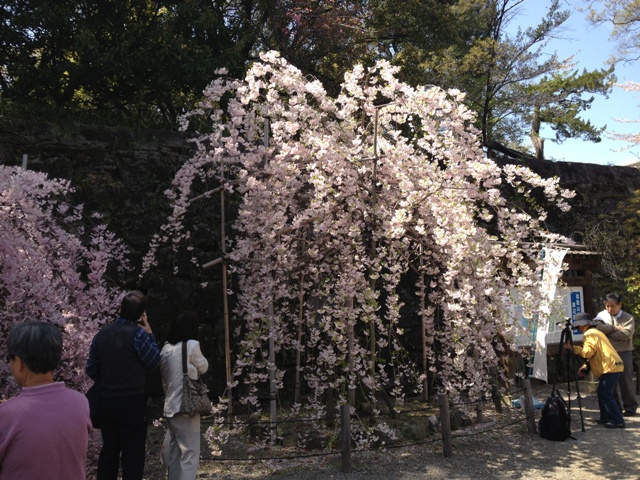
182 454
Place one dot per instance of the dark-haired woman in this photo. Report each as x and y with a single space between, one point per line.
182 453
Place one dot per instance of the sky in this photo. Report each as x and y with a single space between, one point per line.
591 48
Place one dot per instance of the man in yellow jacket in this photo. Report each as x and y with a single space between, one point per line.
605 363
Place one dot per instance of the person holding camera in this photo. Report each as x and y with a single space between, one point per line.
605 363
44 430
118 356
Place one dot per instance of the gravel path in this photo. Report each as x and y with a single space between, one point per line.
503 453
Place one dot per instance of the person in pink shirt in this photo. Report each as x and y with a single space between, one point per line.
44 430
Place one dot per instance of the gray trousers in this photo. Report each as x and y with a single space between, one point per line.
181 447
627 390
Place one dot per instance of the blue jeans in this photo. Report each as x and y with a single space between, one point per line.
609 409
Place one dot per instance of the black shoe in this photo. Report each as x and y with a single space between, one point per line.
600 421
614 425
629 413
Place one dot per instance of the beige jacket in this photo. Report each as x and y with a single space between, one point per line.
622 340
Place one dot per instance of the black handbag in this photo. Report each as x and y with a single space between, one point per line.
93 397
195 398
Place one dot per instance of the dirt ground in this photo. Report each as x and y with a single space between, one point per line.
498 448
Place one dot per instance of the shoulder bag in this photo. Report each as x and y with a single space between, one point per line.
195 398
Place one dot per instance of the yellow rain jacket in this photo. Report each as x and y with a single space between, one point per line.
602 357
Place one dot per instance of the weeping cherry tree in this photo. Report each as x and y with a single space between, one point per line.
340 198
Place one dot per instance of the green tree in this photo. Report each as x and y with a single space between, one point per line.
624 16
148 61
630 230
145 60
410 33
508 80
560 100
35 54
616 235
323 38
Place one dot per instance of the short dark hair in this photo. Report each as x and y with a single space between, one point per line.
184 327
38 344
133 305
613 297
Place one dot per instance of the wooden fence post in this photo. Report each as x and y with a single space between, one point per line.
445 423
528 407
345 429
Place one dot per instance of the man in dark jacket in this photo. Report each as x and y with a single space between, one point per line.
118 356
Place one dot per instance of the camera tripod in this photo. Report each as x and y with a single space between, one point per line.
570 361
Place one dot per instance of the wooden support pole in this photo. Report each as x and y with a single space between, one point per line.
345 432
272 349
351 393
495 396
374 206
272 381
423 318
225 302
528 406
296 394
445 425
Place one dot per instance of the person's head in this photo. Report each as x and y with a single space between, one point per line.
184 327
37 344
582 321
613 303
133 305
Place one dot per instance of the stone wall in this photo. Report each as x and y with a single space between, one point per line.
123 174
599 188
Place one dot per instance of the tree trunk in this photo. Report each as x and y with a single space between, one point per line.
538 142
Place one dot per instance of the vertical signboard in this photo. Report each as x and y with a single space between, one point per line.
553 258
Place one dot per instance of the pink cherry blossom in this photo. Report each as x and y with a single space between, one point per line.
55 265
